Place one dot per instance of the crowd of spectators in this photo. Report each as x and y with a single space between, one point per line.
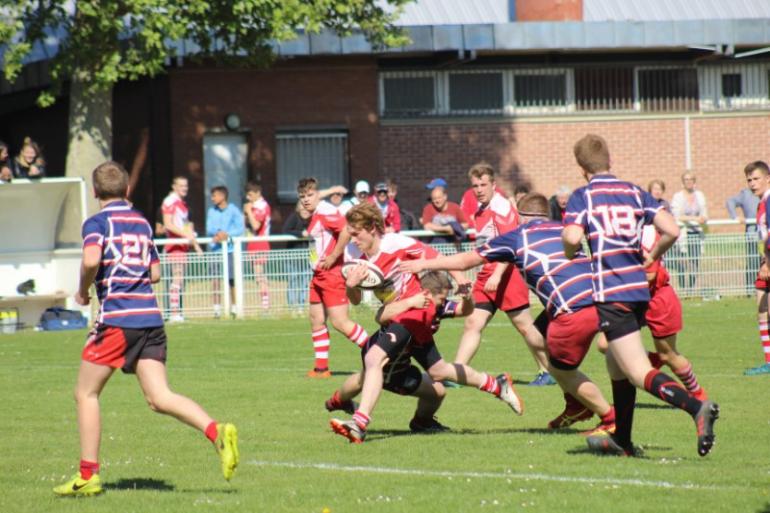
28 163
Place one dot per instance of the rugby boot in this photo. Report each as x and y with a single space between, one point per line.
79 487
508 394
704 423
226 444
349 429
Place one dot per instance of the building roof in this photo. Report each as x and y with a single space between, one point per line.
454 12
673 10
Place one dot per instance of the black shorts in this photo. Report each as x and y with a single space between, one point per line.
121 348
541 323
399 375
619 319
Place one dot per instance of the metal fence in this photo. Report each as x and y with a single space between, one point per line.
709 267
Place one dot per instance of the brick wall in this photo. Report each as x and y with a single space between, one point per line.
296 93
539 153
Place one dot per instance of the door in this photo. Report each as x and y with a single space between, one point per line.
224 163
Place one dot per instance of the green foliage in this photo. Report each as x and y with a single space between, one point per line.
111 40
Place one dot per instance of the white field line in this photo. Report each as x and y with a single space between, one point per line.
491 475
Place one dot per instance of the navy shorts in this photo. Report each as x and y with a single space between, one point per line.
619 319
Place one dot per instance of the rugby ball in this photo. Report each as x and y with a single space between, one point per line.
374 276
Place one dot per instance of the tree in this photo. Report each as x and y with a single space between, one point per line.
106 41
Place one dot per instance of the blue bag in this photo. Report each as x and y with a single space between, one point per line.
58 319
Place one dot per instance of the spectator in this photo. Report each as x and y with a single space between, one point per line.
445 217
29 163
223 221
657 188
408 219
6 175
387 207
689 209
748 203
557 204
177 225
257 213
519 192
361 192
297 265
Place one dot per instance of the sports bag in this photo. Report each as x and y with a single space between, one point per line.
58 319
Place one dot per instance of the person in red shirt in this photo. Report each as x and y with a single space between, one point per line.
257 212
327 287
407 332
387 206
443 216
498 286
176 222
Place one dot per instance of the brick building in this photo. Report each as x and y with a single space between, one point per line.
671 86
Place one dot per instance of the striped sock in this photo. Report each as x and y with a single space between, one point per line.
174 296
362 419
265 300
688 379
321 344
490 385
764 338
358 335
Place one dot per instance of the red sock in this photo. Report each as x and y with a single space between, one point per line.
609 417
655 360
211 431
335 401
321 344
88 469
490 385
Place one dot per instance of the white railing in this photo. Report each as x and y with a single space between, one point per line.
717 265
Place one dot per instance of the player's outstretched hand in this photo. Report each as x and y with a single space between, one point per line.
412 266
356 276
82 300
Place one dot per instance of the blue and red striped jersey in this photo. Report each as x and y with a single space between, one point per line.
612 214
126 299
561 284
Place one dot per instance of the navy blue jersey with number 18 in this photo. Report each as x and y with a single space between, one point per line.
612 214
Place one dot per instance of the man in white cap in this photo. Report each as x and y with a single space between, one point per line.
361 193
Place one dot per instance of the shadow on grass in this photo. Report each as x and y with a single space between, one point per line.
384 434
764 509
343 373
583 451
140 483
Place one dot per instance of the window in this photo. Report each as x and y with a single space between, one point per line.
540 90
322 154
731 85
668 89
408 95
475 92
604 88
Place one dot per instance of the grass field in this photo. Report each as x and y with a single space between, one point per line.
252 373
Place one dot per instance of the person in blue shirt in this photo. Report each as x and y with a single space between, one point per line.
223 222
611 213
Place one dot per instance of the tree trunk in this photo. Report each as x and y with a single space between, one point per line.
90 134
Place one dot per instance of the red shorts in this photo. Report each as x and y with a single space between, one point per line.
569 337
511 293
761 284
262 248
328 287
176 257
664 315
121 348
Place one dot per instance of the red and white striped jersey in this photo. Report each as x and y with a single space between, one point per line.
176 207
394 249
325 227
495 218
